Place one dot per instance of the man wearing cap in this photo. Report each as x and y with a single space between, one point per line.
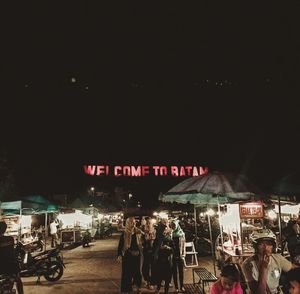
262 271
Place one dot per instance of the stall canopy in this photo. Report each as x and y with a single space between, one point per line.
30 205
40 204
213 188
11 207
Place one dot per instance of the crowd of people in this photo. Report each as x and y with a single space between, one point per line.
152 254
155 254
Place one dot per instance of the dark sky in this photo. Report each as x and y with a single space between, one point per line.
215 85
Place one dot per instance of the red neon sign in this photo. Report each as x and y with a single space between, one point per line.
145 170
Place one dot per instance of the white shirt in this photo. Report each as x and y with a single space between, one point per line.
53 228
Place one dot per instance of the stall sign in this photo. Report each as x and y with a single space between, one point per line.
251 210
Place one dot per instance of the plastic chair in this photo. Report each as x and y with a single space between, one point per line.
190 251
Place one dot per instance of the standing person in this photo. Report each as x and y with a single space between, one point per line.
130 251
262 271
178 237
148 246
53 233
9 264
163 256
229 282
293 239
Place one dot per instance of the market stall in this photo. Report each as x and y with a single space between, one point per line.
73 224
237 222
18 220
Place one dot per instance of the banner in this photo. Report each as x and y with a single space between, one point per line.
145 170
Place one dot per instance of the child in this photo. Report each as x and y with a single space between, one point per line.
229 281
294 278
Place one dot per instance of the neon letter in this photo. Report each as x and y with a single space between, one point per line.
195 172
155 168
116 171
89 169
163 170
126 170
188 170
203 171
135 172
145 170
101 170
174 170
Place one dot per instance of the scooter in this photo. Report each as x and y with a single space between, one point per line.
86 238
48 264
38 243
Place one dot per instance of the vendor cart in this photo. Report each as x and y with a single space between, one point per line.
237 221
70 236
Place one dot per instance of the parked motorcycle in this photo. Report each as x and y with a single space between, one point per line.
86 238
48 263
7 284
38 243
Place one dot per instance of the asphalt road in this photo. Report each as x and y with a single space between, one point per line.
88 270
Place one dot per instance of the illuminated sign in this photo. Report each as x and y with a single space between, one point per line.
145 170
251 210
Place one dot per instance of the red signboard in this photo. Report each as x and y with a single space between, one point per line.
251 210
145 170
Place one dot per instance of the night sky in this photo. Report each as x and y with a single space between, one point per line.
84 82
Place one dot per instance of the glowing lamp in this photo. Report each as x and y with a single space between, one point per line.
210 212
272 214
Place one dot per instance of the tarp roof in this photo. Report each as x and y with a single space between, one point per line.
30 205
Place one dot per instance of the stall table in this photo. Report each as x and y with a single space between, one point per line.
231 256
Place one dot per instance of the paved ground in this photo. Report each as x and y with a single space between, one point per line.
92 270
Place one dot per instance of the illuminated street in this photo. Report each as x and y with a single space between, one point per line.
93 270
163 140
88 270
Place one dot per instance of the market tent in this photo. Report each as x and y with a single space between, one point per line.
213 188
11 207
29 205
40 204
15 207
286 189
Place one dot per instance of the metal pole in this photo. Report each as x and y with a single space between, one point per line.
46 229
279 224
211 244
195 217
221 227
20 226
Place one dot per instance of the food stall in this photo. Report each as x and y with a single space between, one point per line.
73 223
18 220
237 222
